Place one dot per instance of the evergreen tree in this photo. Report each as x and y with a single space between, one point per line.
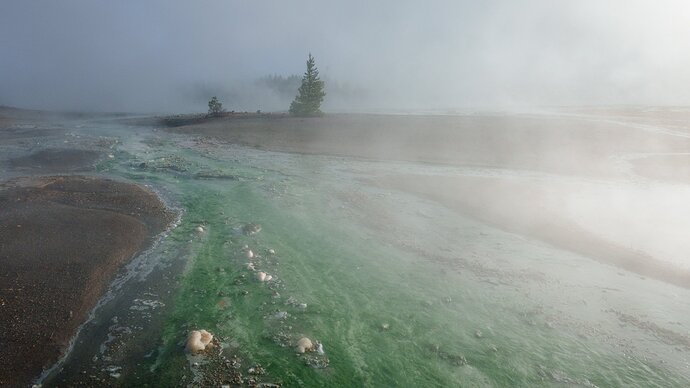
311 94
215 107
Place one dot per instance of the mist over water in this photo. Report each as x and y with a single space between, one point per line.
497 194
407 273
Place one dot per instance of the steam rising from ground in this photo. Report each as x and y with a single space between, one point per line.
649 218
158 56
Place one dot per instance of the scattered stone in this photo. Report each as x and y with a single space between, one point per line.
199 229
478 334
385 326
256 370
251 229
291 301
146 304
250 254
114 371
280 315
454 359
250 266
271 252
316 359
261 276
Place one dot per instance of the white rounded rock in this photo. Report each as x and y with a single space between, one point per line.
304 345
206 337
199 229
198 340
261 276
250 254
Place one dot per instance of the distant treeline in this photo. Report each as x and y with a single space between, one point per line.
285 87
269 93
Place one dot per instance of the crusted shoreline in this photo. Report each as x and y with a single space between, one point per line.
62 241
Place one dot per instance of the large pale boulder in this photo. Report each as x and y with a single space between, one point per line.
198 340
304 345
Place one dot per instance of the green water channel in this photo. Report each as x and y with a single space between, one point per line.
400 291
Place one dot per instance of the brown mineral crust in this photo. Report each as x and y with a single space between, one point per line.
62 241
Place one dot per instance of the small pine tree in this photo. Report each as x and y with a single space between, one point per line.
215 107
310 94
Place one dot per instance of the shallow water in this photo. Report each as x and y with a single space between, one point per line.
400 291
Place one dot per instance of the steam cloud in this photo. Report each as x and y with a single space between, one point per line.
165 56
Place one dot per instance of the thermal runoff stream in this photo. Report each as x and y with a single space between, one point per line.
391 286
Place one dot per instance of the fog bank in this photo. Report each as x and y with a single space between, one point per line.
165 56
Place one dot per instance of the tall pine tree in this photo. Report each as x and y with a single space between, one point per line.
311 94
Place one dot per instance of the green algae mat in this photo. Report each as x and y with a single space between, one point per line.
391 290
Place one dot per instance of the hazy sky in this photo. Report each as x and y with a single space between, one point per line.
146 55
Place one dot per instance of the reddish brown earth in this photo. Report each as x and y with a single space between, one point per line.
56 160
62 241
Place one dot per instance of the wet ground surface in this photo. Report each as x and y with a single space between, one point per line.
62 240
55 160
392 286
